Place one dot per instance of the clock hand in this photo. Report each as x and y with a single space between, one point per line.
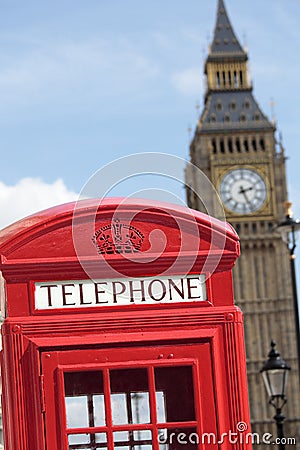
244 191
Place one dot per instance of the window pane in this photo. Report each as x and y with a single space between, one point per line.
121 436
77 412
160 407
79 446
119 409
87 441
84 399
140 407
99 410
142 447
142 435
80 383
142 440
138 439
176 384
101 437
129 396
79 438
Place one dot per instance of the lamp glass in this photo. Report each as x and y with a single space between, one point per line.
285 234
275 382
287 229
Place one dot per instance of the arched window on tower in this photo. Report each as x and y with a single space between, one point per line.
214 146
222 146
218 79
224 78
229 78
246 146
230 146
238 145
262 144
236 82
254 227
241 78
254 145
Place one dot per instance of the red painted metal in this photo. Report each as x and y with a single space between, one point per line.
38 345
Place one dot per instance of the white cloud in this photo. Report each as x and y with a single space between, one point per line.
30 195
188 81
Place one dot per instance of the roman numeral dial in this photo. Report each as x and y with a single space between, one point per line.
243 191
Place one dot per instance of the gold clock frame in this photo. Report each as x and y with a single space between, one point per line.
264 170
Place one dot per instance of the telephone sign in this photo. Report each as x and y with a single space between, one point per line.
124 291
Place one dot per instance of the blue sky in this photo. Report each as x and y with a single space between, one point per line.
85 82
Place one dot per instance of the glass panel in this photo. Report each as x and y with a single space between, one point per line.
87 441
142 435
77 412
119 409
79 439
176 384
276 381
140 407
84 399
129 396
142 447
79 446
143 440
99 410
121 436
179 438
138 439
101 437
160 407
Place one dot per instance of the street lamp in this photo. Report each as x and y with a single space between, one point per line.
274 372
288 229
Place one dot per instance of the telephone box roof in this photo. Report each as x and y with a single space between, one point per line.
94 232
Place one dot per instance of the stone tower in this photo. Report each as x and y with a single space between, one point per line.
235 146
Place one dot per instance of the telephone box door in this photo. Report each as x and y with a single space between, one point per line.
136 398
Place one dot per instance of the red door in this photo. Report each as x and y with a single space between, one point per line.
136 398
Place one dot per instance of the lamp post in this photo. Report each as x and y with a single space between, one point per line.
274 373
288 229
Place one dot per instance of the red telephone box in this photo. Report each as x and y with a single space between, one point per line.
120 330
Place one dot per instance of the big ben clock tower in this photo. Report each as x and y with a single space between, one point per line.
235 146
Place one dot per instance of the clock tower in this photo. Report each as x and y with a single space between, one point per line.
235 146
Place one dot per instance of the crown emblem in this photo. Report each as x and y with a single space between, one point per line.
118 237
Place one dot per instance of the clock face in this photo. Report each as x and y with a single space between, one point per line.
243 191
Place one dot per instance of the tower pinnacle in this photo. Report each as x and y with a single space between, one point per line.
229 101
225 41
